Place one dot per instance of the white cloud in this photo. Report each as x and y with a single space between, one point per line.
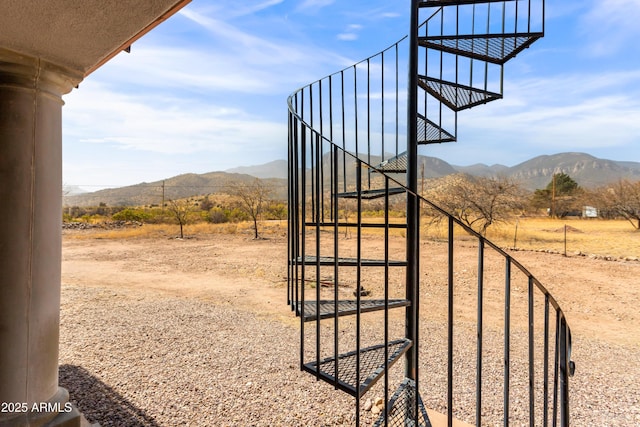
229 9
315 5
248 62
240 9
164 125
570 112
347 36
611 26
351 32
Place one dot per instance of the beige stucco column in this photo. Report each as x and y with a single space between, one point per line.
30 238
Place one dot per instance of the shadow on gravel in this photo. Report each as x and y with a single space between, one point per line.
100 403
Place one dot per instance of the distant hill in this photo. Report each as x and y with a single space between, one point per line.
177 187
70 190
480 169
587 170
434 167
275 169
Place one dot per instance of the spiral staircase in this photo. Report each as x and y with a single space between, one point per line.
355 280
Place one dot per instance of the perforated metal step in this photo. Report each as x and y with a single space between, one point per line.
454 95
402 408
372 365
355 224
372 194
350 262
431 133
327 308
493 48
397 164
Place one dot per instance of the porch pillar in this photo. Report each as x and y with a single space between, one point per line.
30 240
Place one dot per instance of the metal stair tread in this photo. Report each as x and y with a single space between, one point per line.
396 164
431 133
372 366
353 262
494 48
371 194
355 224
345 307
401 406
455 95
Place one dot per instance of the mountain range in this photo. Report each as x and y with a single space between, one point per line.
588 171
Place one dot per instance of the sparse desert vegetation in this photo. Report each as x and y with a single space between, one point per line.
188 300
196 331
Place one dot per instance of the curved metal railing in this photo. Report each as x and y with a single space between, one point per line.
509 362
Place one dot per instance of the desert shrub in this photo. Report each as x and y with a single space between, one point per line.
276 210
132 215
217 216
237 215
206 204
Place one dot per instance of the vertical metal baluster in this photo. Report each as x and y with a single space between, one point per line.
515 25
543 16
312 153
336 270
507 339
556 370
480 327
296 212
355 107
546 362
386 301
486 64
412 184
382 108
457 56
317 219
369 120
289 162
334 211
564 372
450 325
303 254
398 102
344 136
504 29
358 281
321 151
473 31
529 16
531 356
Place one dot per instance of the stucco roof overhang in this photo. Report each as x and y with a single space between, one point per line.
79 35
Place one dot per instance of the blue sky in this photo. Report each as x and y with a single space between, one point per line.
206 90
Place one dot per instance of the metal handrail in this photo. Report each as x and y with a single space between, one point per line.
562 365
318 127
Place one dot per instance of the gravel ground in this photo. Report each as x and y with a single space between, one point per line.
133 356
131 360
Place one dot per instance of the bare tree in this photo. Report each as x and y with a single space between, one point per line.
477 201
346 211
253 198
180 210
623 199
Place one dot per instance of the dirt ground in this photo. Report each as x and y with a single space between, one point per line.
600 298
